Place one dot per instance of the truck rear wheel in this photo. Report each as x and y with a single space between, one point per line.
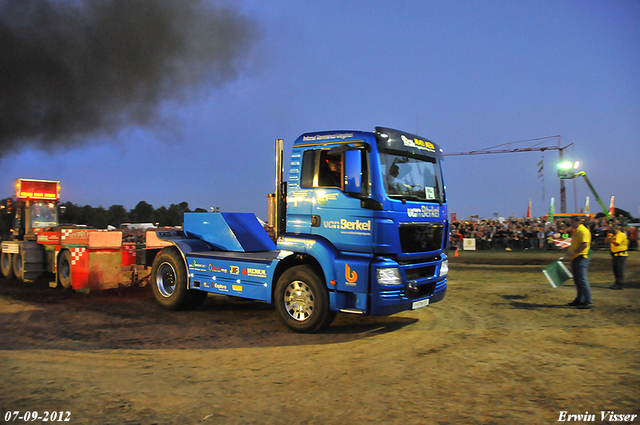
169 283
6 265
302 301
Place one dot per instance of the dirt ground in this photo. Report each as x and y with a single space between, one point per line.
501 348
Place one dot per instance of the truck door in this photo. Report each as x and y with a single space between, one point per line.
336 211
300 191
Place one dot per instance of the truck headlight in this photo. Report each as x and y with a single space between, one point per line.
389 276
444 268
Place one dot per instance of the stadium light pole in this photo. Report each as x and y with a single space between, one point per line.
569 170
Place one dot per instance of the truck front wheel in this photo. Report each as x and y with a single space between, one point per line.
6 265
302 301
169 283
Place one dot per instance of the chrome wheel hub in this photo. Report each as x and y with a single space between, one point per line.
298 300
166 279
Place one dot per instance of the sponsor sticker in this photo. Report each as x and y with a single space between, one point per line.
195 266
220 287
424 211
10 248
324 197
254 272
348 226
418 143
319 137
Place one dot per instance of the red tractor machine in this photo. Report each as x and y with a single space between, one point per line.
80 258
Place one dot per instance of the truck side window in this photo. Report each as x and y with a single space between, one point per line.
322 169
308 168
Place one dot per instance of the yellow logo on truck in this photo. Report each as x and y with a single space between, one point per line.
350 275
418 143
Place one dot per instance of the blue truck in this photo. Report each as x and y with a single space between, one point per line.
361 226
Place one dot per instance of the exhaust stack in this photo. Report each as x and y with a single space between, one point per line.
277 200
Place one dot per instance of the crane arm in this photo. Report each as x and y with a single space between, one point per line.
593 190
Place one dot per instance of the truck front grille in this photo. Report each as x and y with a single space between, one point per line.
422 290
420 272
420 237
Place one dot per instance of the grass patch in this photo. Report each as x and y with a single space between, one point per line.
531 257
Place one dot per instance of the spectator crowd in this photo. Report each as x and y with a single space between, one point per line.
535 233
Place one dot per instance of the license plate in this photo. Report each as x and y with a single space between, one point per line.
10 248
419 304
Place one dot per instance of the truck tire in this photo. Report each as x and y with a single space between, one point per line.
17 265
302 300
6 265
169 283
64 269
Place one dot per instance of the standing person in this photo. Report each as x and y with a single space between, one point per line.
619 253
579 252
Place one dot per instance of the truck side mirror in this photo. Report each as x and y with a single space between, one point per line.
353 173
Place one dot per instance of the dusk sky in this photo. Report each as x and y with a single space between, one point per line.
466 74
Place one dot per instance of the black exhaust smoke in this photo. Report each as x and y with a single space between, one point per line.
73 69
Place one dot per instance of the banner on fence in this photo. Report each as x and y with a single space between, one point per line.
469 244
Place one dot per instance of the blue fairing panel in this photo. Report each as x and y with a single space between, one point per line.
229 231
241 274
182 241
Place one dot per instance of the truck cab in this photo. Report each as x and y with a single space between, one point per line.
360 227
37 207
36 210
370 208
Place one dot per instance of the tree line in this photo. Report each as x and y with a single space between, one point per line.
100 217
115 215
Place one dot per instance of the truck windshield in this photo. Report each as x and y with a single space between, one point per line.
412 178
44 214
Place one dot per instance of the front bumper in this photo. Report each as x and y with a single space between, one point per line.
419 281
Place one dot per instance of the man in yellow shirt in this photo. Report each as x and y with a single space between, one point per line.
579 252
619 253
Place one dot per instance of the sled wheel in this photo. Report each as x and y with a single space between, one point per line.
169 281
17 265
6 265
302 301
64 269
